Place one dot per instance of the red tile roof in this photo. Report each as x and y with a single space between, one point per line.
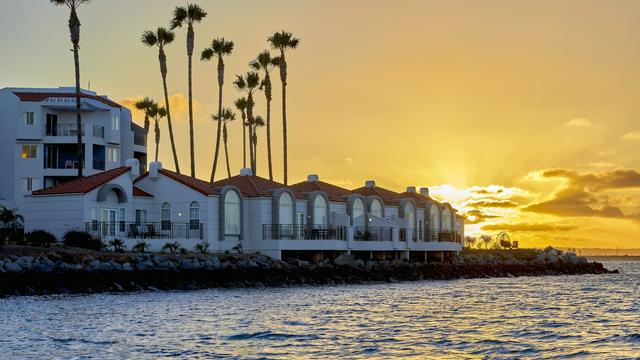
141 193
41 96
84 184
388 197
251 186
334 193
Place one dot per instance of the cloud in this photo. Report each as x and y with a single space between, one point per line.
607 152
178 103
632 135
527 227
491 203
578 123
477 216
606 180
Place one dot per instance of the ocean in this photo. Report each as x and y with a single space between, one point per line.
584 316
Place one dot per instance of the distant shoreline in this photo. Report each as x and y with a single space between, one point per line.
613 257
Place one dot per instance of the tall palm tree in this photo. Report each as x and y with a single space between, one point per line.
189 15
161 38
219 48
74 32
144 105
283 41
249 84
257 122
266 63
241 104
227 116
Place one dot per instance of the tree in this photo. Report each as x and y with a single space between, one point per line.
202 247
249 84
257 122
161 38
219 48
470 241
74 32
141 246
10 217
189 15
241 104
227 116
283 41
486 240
160 112
266 63
144 105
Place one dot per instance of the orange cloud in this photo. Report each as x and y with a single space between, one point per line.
178 102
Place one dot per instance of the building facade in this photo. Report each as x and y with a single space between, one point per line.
38 140
310 219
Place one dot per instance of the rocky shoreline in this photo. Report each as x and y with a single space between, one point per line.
65 272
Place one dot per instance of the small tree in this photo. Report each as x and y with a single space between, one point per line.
486 240
202 247
470 241
171 246
118 245
141 246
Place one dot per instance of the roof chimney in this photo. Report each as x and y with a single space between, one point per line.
370 184
424 191
154 168
134 165
411 189
246 172
313 178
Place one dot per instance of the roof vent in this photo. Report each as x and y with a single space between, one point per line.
424 191
313 178
154 167
370 184
411 189
246 172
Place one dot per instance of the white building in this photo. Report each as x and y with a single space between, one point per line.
311 219
38 139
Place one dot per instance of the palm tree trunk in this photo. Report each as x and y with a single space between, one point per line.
80 153
215 155
251 154
269 138
173 143
244 141
226 151
191 144
284 129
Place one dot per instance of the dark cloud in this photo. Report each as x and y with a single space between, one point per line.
477 216
487 192
491 203
607 180
527 227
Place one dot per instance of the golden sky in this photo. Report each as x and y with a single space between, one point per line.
523 114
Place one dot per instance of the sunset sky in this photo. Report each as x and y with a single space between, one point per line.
525 115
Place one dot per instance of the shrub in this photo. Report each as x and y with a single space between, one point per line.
172 247
118 245
40 238
141 246
202 247
83 240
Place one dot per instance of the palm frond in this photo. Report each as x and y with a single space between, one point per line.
162 112
207 54
165 36
239 83
241 103
149 38
179 16
195 13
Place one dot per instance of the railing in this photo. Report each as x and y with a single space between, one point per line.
146 230
67 164
302 232
445 236
63 130
139 138
372 234
98 131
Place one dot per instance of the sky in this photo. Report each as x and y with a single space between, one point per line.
525 115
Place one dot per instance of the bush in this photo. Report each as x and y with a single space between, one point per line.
83 240
40 238
202 247
141 246
118 245
172 247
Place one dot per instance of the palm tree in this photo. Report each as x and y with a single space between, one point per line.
144 105
486 240
219 48
241 104
257 122
227 116
189 15
74 31
10 217
266 63
161 38
249 84
283 41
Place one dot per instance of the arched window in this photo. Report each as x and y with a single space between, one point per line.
194 216
410 215
376 208
165 216
232 214
319 212
285 209
357 213
435 221
446 220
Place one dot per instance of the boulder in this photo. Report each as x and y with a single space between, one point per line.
344 260
127 267
45 267
215 262
25 262
186 265
12 267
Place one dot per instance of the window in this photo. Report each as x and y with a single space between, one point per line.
29 184
141 216
435 221
29 118
376 208
420 227
165 216
94 219
29 151
357 213
285 209
319 212
231 214
112 154
194 216
446 220
115 123
122 226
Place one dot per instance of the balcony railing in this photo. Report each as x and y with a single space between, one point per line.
446 236
303 232
146 230
372 234
63 130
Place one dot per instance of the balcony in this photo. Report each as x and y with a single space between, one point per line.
372 234
302 232
147 230
63 130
